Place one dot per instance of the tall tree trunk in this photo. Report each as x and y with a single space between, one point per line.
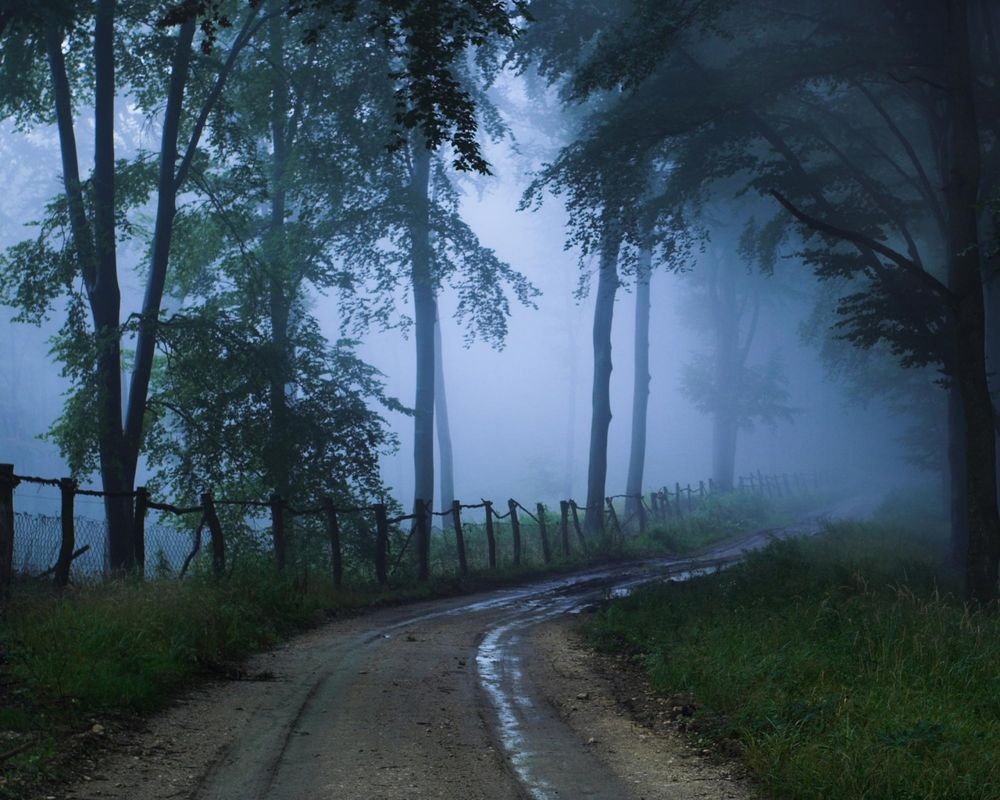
447 481
424 316
961 189
95 242
105 299
604 309
95 246
640 387
569 464
957 488
729 359
279 301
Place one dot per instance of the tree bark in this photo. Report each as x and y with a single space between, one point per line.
957 488
640 388
962 175
730 356
597 473
424 316
447 478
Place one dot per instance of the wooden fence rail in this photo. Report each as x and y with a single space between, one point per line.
662 505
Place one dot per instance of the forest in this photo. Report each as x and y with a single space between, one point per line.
325 282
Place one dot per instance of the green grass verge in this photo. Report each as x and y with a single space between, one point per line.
842 665
719 518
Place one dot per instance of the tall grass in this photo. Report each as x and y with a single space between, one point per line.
844 666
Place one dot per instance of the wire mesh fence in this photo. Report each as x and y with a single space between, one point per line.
37 539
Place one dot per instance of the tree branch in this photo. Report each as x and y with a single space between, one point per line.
861 240
250 28
911 153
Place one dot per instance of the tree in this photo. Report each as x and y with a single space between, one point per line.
640 387
725 300
286 412
91 213
606 192
899 89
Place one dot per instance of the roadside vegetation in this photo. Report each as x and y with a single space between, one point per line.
100 653
839 666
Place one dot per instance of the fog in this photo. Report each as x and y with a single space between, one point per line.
520 413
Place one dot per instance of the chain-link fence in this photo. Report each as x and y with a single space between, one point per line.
37 538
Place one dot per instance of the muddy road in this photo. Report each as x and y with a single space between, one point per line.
486 696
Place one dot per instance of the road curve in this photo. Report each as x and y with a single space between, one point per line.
440 699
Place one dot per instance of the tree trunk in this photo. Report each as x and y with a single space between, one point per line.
729 358
597 472
447 481
962 167
105 300
957 489
640 388
424 316
95 242
279 300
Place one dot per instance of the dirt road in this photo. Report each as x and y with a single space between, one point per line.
478 697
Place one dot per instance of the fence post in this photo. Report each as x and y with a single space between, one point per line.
654 504
677 495
491 541
138 528
576 524
7 484
690 501
278 530
423 541
215 530
701 490
614 515
456 518
515 529
564 526
544 534
67 491
381 543
333 533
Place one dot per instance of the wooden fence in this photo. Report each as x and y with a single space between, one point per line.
636 514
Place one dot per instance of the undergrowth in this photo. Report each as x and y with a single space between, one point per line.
844 666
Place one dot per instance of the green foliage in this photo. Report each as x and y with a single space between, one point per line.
842 665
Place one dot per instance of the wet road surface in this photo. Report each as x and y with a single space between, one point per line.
438 699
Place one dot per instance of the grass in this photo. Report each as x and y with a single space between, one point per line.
719 518
842 666
101 651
